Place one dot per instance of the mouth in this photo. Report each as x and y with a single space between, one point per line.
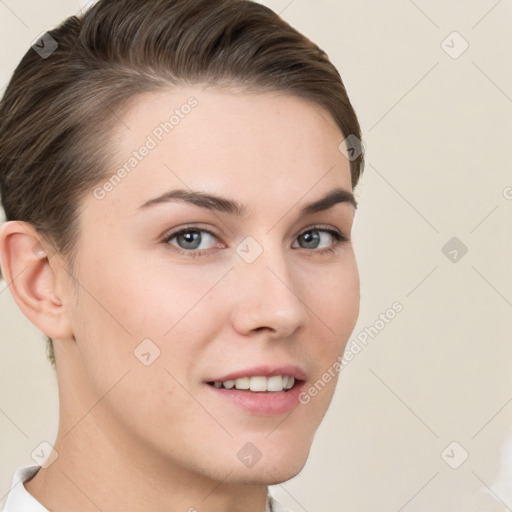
261 391
258 384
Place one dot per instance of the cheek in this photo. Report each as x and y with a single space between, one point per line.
129 303
333 302
127 314
333 299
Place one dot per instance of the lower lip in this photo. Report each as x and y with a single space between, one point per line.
269 403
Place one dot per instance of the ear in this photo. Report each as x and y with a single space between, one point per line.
33 279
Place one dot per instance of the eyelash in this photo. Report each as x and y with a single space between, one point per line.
339 238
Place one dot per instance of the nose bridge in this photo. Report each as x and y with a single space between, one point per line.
268 294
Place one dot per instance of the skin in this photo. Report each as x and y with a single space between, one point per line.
154 432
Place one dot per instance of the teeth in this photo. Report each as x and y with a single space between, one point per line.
228 384
276 383
243 383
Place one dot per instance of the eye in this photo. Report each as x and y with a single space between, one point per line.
314 237
188 240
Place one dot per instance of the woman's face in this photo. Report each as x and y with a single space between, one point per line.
271 292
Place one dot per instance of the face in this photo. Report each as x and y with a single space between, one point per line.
178 292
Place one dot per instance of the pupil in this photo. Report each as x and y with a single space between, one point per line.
191 237
312 240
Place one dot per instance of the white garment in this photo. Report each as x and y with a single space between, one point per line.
20 500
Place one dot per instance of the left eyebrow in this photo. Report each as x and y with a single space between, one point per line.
225 205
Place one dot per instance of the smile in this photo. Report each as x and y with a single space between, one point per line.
257 383
263 390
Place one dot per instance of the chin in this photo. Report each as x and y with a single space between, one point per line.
274 469
264 476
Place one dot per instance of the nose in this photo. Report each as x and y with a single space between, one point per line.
268 296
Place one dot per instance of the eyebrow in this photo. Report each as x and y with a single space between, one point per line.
222 204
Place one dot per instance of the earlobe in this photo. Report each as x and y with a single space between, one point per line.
32 278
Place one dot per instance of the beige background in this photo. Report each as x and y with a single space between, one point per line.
438 135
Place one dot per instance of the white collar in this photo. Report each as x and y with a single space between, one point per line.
273 505
19 499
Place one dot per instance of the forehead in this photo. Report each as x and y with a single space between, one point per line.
269 145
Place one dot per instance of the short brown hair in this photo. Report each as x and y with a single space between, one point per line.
57 111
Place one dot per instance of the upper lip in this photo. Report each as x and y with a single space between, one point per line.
289 370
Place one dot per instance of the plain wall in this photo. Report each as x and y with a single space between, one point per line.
437 127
